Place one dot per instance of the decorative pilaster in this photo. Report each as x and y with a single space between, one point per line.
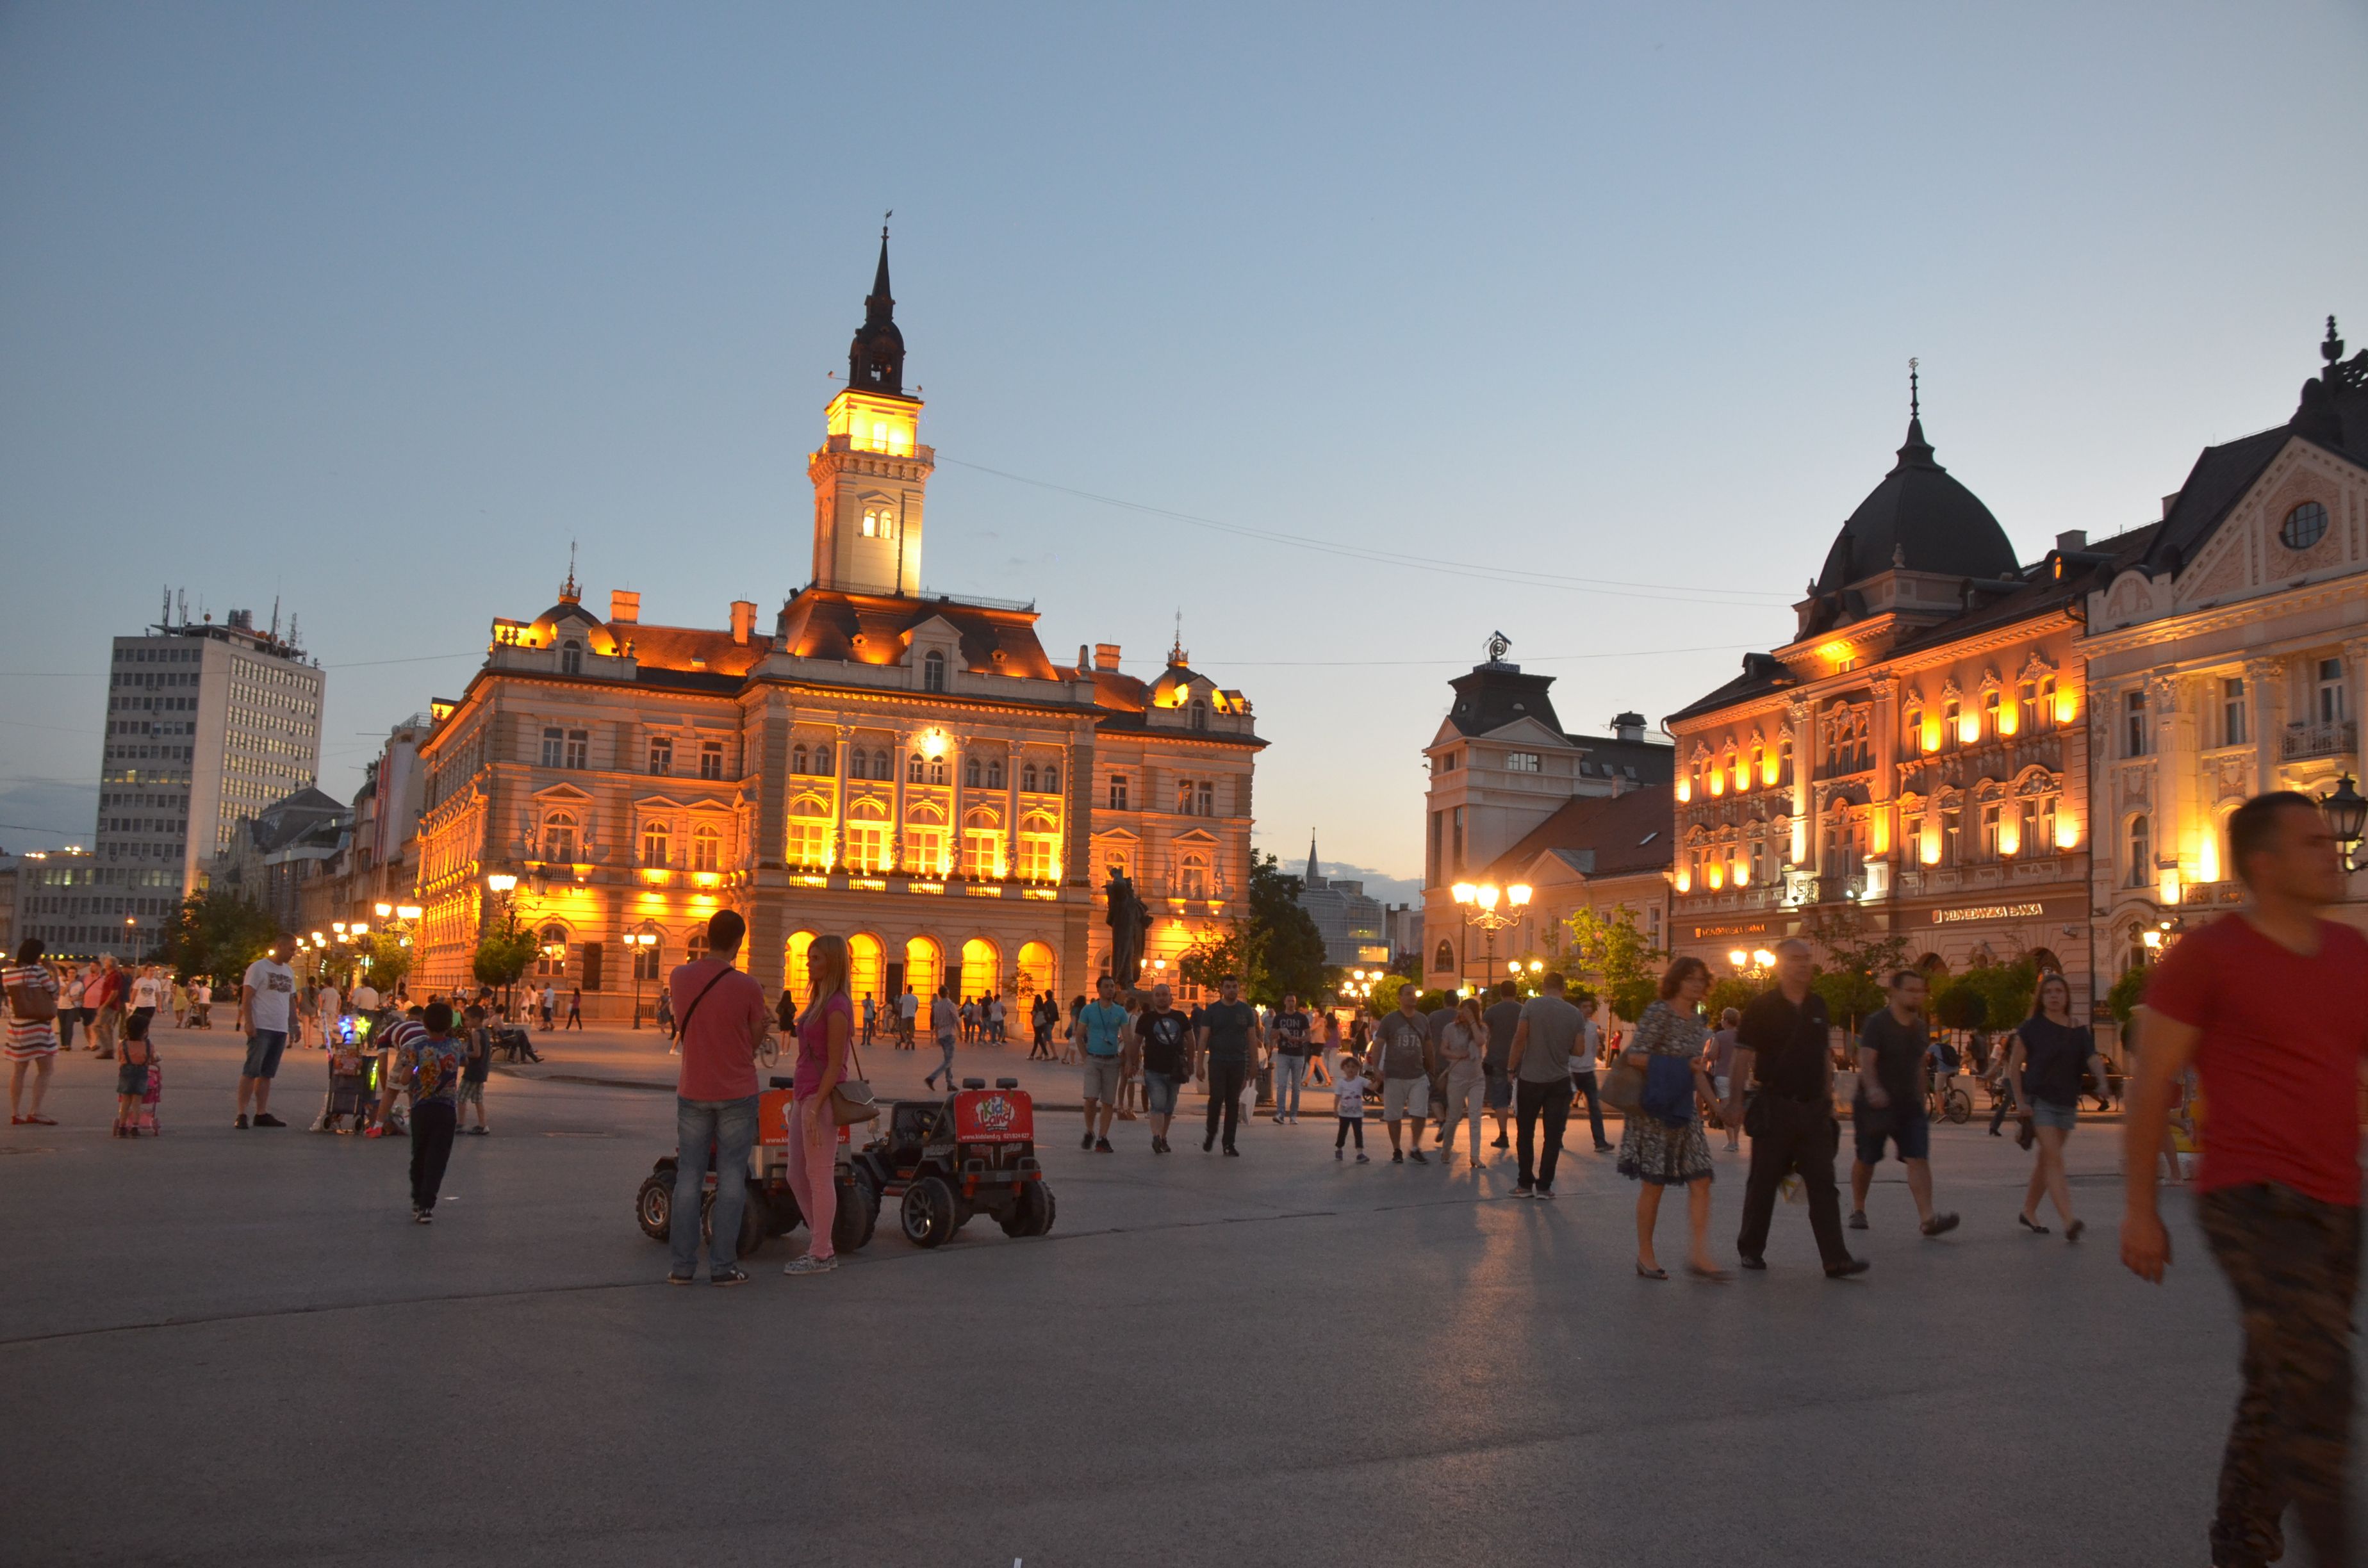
838 799
1011 809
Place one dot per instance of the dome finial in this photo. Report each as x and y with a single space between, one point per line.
1177 656
568 591
2332 349
1913 410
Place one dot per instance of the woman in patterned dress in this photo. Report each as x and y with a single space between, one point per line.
1656 1155
32 1041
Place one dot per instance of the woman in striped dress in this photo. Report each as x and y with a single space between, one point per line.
32 1039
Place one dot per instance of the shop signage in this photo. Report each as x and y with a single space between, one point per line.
1733 928
1988 912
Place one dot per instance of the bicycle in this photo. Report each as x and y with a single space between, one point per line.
1950 1103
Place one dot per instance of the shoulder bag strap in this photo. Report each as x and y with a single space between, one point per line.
682 1026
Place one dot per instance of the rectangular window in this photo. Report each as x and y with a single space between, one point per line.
579 748
661 755
2331 691
2232 711
2134 733
1184 797
867 846
924 851
710 759
806 845
1990 832
1118 792
978 853
1446 763
1458 835
1521 761
1990 714
1208 799
554 743
1036 856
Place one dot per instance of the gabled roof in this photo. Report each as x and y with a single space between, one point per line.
826 623
1627 834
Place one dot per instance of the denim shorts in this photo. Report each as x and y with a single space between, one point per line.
1159 1092
263 1048
2047 1113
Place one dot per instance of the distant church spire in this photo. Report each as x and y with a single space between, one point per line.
1311 857
875 360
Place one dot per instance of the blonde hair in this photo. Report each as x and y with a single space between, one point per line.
827 954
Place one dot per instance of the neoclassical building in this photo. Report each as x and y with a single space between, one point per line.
908 769
1919 752
2228 650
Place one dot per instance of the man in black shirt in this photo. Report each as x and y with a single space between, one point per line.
1782 1045
1228 1031
1291 1033
1166 1037
1502 1020
1889 1106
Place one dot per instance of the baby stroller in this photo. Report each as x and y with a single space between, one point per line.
353 1088
147 1122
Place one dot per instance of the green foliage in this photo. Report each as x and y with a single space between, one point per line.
1729 993
390 959
1862 961
1286 951
2006 990
502 956
1849 995
1610 950
217 934
2126 993
1960 1005
1385 994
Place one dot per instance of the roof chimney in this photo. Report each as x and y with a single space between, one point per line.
1628 726
624 606
744 619
2072 539
1106 655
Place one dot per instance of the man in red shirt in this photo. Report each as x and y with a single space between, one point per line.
2272 1008
723 1018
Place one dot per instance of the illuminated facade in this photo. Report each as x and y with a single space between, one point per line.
2228 647
910 769
1919 752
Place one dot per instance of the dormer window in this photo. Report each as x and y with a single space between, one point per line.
1199 714
571 658
933 671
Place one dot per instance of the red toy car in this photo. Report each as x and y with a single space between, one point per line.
972 1153
771 1209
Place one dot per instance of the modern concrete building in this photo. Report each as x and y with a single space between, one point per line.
60 900
207 724
1353 925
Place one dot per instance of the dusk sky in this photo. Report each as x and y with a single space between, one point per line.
1389 326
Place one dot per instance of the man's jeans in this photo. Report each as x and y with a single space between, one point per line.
1290 1074
2294 1264
1530 1102
723 1131
1584 1083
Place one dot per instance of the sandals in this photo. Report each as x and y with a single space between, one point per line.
2026 1223
1644 1273
2072 1231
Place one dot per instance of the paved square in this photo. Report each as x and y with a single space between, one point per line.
227 1347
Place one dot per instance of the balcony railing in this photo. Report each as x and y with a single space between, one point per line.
2328 737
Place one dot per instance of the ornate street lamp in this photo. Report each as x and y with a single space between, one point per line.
1478 902
2347 814
641 940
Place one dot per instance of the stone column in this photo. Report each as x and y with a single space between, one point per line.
2265 685
2355 672
839 798
2173 744
905 746
1802 719
1011 809
955 757
764 902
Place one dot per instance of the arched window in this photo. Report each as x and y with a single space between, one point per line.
867 835
995 773
1052 778
1443 960
706 849
559 837
551 955
933 671
970 773
856 761
656 843
798 759
571 658
913 768
1028 777
879 766
809 834
2141 852
1192 875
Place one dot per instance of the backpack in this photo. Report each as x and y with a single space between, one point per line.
1949 1057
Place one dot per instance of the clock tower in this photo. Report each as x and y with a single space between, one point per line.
872 473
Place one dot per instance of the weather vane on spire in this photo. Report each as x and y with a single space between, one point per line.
1913 411
570 593
1176 653
1498 646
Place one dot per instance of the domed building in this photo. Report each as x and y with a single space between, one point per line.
1916 761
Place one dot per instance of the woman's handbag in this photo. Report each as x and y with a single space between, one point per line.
34 1004
1623 1086
851 1099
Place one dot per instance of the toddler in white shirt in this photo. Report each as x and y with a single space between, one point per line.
1349 1105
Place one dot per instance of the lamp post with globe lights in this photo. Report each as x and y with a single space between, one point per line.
638 943
2347 814
1478 903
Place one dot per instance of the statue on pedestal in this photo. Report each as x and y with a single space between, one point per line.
1129 921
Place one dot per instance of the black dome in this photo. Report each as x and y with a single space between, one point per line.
1933 523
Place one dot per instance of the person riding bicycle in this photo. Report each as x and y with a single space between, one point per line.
1943 1061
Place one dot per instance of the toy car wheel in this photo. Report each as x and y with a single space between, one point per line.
930 1215
783 1205
654 1207
859 1214
1032 1214
755 1221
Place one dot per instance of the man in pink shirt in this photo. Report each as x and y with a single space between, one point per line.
724 1019
2271 1007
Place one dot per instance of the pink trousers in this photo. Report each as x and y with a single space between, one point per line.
812 1151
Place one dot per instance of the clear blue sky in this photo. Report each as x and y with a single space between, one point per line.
375 309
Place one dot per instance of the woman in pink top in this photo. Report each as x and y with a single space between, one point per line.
824 1030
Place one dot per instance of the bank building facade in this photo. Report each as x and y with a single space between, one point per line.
908 769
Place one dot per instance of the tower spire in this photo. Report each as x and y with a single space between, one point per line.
1176 653
568 591
1913 411
1311 857
875 360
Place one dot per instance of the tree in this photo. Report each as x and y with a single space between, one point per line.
502 956
217 934
1863 960
2127 993
1385 994
1730 992
1277 951
1611 948
390 959
2006 990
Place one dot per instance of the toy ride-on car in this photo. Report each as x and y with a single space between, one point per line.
771 1209
972 1153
